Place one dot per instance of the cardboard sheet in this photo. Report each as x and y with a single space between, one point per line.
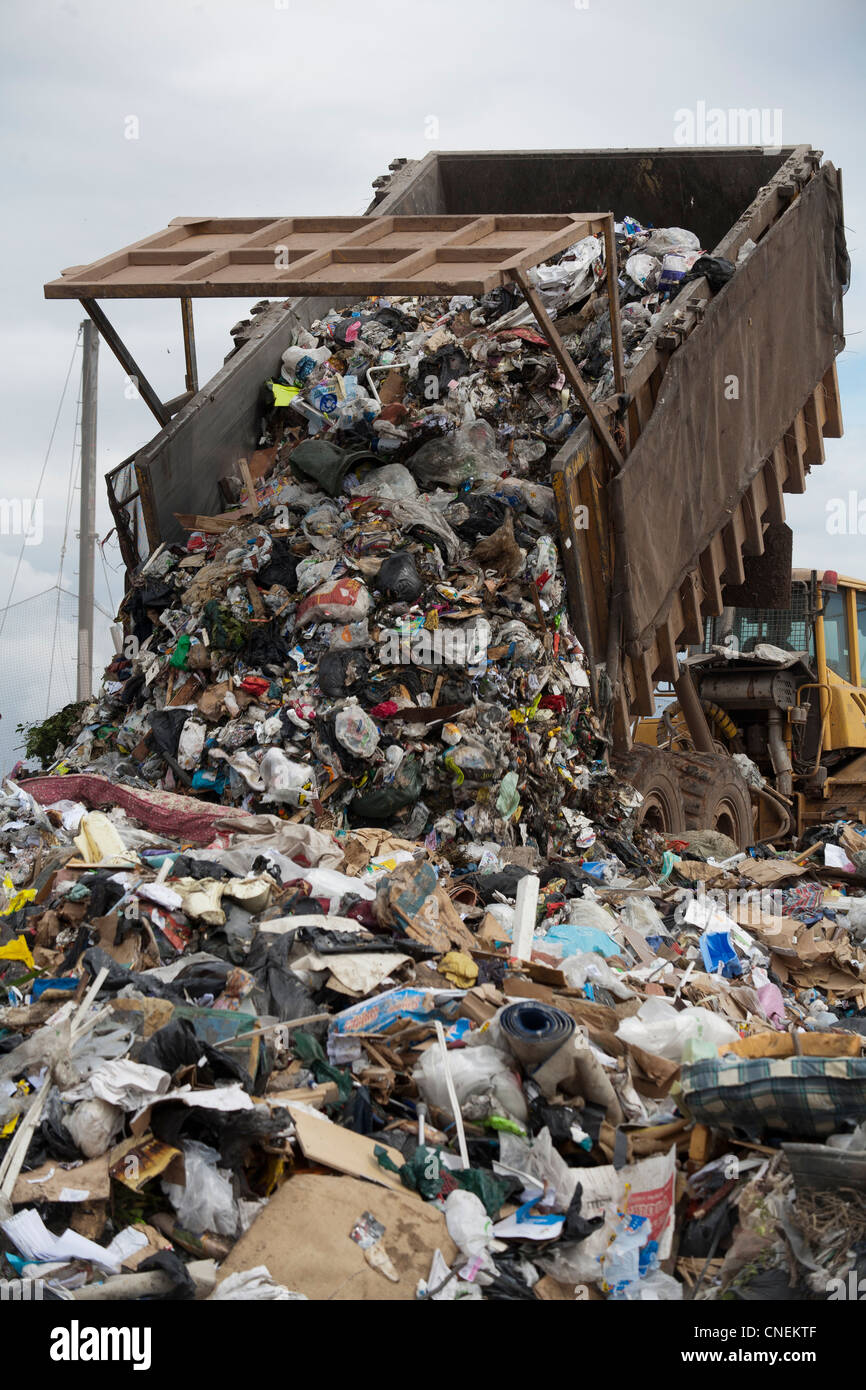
303 1236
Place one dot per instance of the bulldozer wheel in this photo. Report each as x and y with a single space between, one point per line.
715 796
653 775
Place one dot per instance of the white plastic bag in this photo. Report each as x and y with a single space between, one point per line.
660 1028
640 914
471 1229
93 1125
590 966
392 481
285 780
254 1285
483 1081
190 744
206 1202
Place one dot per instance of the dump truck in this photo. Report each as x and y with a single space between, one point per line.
669 493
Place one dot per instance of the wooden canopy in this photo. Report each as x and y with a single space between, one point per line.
225 256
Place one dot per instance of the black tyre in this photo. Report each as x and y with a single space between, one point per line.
654 776
715 796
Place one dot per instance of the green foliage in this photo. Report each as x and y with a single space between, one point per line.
41 739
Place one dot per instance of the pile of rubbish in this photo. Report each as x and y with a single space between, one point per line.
334 959
245 1057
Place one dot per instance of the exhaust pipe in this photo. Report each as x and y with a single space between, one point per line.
779 754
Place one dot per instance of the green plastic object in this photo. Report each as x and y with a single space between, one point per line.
181 652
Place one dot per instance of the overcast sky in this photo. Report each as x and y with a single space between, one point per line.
276 107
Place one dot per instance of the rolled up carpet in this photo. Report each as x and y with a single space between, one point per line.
534 1031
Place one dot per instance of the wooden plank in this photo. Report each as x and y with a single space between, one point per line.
255 597
775 473
733 537
752 511
693 624
792 444
712 563
814 450
572 375
832 404
252 499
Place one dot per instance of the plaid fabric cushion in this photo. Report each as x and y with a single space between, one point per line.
802 1097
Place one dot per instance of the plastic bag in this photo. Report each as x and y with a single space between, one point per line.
675 265
537 496
345 599
398 577
641 916
393 481
206 1202
588 929
570 279
471 1229
588 967
312 572
287 781
852 913
190 744
660 1028
253 1285
356 731
665 239
295 359
468 453
483 1081
656 1286
716 269
470 762
349 636
322 526
420 518
645 1188
93 1125
542 565
644 270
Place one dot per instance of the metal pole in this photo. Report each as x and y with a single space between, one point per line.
87 526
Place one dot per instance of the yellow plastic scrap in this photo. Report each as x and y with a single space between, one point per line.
459 968
15 897
525 715
17 949
98 841
283 395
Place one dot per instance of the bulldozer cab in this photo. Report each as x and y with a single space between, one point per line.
838 651
806 662
826 623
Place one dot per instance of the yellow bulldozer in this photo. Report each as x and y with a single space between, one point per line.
787 689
